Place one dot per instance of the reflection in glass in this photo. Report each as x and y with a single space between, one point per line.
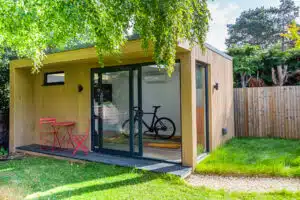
200 99
111 105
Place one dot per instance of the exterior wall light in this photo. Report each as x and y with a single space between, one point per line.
216 86
79 88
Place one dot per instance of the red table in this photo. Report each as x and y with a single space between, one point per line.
68 125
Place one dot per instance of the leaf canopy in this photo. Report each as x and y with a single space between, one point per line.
246 59
262 26
293 34
31 27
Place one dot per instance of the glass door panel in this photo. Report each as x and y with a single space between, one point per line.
115 110
115 123
201 100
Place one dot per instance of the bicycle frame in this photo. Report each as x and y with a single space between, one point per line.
150 128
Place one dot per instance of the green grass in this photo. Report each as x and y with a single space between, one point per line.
45 178
254 156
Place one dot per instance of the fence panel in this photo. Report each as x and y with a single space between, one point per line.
267 112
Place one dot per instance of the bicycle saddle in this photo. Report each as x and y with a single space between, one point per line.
156 106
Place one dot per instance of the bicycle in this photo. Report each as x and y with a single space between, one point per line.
162 127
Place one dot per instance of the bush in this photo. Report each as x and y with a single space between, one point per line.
3 152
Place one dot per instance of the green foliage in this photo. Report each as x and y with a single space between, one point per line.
200 149
251 61
254 156
255 27
274 57
3 152
293 59
32 27
293 34
246 62
262 26
45 178
245 59
5 57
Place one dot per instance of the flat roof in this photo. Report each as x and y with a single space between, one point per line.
88 51
221 53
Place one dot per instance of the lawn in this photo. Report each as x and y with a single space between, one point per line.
254 156
45 178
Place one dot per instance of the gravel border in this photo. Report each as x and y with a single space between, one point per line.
244 184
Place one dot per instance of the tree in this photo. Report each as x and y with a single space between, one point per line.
277 66
31 27
255 27
286 13
246 62
293 34
262 26
5 57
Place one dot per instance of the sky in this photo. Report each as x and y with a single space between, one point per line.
225 12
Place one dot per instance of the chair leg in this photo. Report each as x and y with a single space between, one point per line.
54 141
80 145
84 149
75 150
41 139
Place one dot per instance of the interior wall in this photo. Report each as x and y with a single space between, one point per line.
163 93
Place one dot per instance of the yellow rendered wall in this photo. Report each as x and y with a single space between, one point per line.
22 109
188 110
64 102
221 113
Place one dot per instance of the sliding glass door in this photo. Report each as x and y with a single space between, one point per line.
136 111
115 107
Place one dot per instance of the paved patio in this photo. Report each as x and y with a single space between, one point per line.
139 163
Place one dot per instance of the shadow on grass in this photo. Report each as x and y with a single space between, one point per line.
71 192
46 178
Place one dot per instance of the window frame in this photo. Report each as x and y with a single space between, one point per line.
54 83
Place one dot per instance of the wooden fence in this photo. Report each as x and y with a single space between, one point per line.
267 112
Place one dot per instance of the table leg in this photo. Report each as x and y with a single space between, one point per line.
69 131
55 139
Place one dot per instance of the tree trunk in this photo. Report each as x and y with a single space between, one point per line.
243 80
279 76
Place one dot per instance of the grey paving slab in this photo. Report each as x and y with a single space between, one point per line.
139 163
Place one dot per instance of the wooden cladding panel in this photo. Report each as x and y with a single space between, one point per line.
267 112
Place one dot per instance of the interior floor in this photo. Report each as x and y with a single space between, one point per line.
155 148
171 155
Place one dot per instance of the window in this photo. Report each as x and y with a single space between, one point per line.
54 78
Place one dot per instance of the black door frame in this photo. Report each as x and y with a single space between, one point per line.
97 139
207 129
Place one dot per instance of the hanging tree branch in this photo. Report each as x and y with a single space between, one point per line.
30 27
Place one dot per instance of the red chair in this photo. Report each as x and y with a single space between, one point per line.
79 140
47 129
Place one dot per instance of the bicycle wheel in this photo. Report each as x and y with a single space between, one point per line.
126 128
165 128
